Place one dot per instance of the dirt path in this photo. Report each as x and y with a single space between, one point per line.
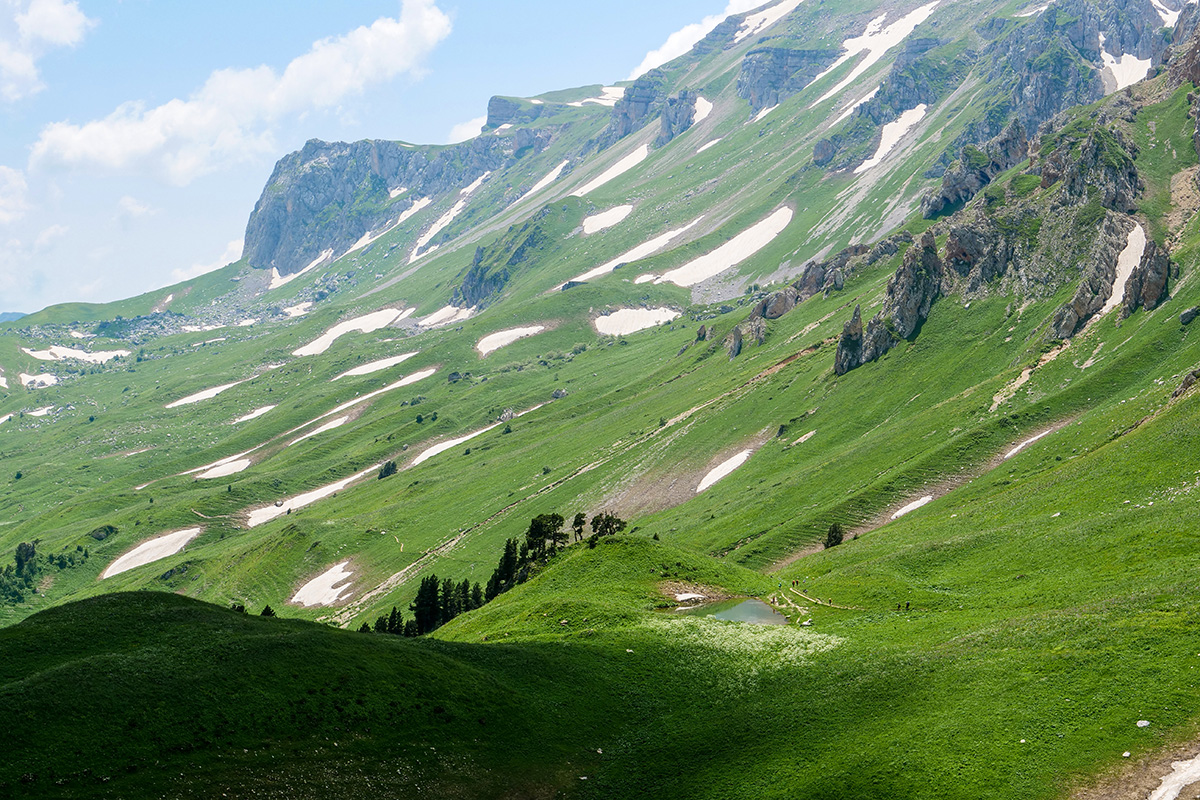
826 603
1138 778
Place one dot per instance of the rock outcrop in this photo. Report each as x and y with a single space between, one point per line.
770 75
512 111
1096 285
753 329
1147 285
907 302
643 99
975 169
494 264
677 116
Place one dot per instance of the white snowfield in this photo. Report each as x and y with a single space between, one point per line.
1025 444
408 214
153 550
266 514
1033 11
913 506
609 96
41 412
325 589
278 280
703 109
761 115
368 323
3 382
494 341
708 144
207 394
615 171
891 135
445 220
201 328
550 178
223 462
1183 774
5 418
37 381
58 353
446 315
328 426
854 106
78 335
874 42
606 219
723 469
732 253
636 254
755 23
1127 262
225 470
1169 17
437 449
247 323
255 414
1124 70
375 366
394 193
408 380
632 320
298 310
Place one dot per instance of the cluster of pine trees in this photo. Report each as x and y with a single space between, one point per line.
439 601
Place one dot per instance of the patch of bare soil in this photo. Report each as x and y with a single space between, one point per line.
1137 778
1185 198
673 589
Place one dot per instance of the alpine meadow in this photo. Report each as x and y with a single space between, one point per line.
813 416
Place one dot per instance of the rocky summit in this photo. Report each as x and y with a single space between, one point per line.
814 415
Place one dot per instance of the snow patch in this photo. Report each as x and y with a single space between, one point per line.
246 323
445 220
255 414
550 178
765 19
723 469
153 550
636 254
37 381
325 589
703 109
495 341
367 323
707 145
913 506
444 446
57 353
1025 444
609 96
278 280
761 115
1183 774
78 335
632 320
260 515
298 310
394 193
891 135
405 381
225 470
447 315
207 394
874 42
615 171
1124 70
375 366
5 418
1169 17
1033 11
41 412
1127 262
328 426
854 106
732 253
408 214
606 219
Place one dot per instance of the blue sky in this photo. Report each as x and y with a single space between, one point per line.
137 134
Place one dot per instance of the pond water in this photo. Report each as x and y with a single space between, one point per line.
756 612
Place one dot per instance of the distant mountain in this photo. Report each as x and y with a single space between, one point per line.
10 316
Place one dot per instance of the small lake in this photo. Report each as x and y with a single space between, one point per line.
756 612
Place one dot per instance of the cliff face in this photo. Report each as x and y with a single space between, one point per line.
327 195
770 75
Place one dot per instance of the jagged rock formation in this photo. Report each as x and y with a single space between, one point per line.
327 195
509 111
643 99
770 75
1188 316
975 169
753 329
494 264
1092 158
1147 286
909 298
1096 285
677 116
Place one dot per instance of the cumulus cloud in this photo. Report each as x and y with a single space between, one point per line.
686 37
129 208
13 191
466 130
28 29
233 251
46 239
233 116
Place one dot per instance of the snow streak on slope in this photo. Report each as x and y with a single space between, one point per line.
891 135
874 42
703 109
207 394
1124 70
495 341
153 550
723 469
606 219
375 366
368 323
37 381
765 19
1169 17
446 315
608 97
550 178
58 353
636 254
732 253
913 506
445 220
854 106
632 320
615 171
260 515
255 414
328 426
444 446
325 589
369 237
225 470
1127 262
278 280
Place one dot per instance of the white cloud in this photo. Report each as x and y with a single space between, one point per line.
36 26
13 190
129 208
233 251
46 239
233 116
466 130
686 37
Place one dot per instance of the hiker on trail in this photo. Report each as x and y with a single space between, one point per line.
897 606
906 606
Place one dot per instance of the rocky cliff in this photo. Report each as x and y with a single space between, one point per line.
770 75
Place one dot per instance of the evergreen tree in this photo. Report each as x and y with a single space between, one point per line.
448 601
477 600
410 628
267 612
543 528
395 623
463 596
381 624
365 628
425 606
508 564
577 525
835 536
